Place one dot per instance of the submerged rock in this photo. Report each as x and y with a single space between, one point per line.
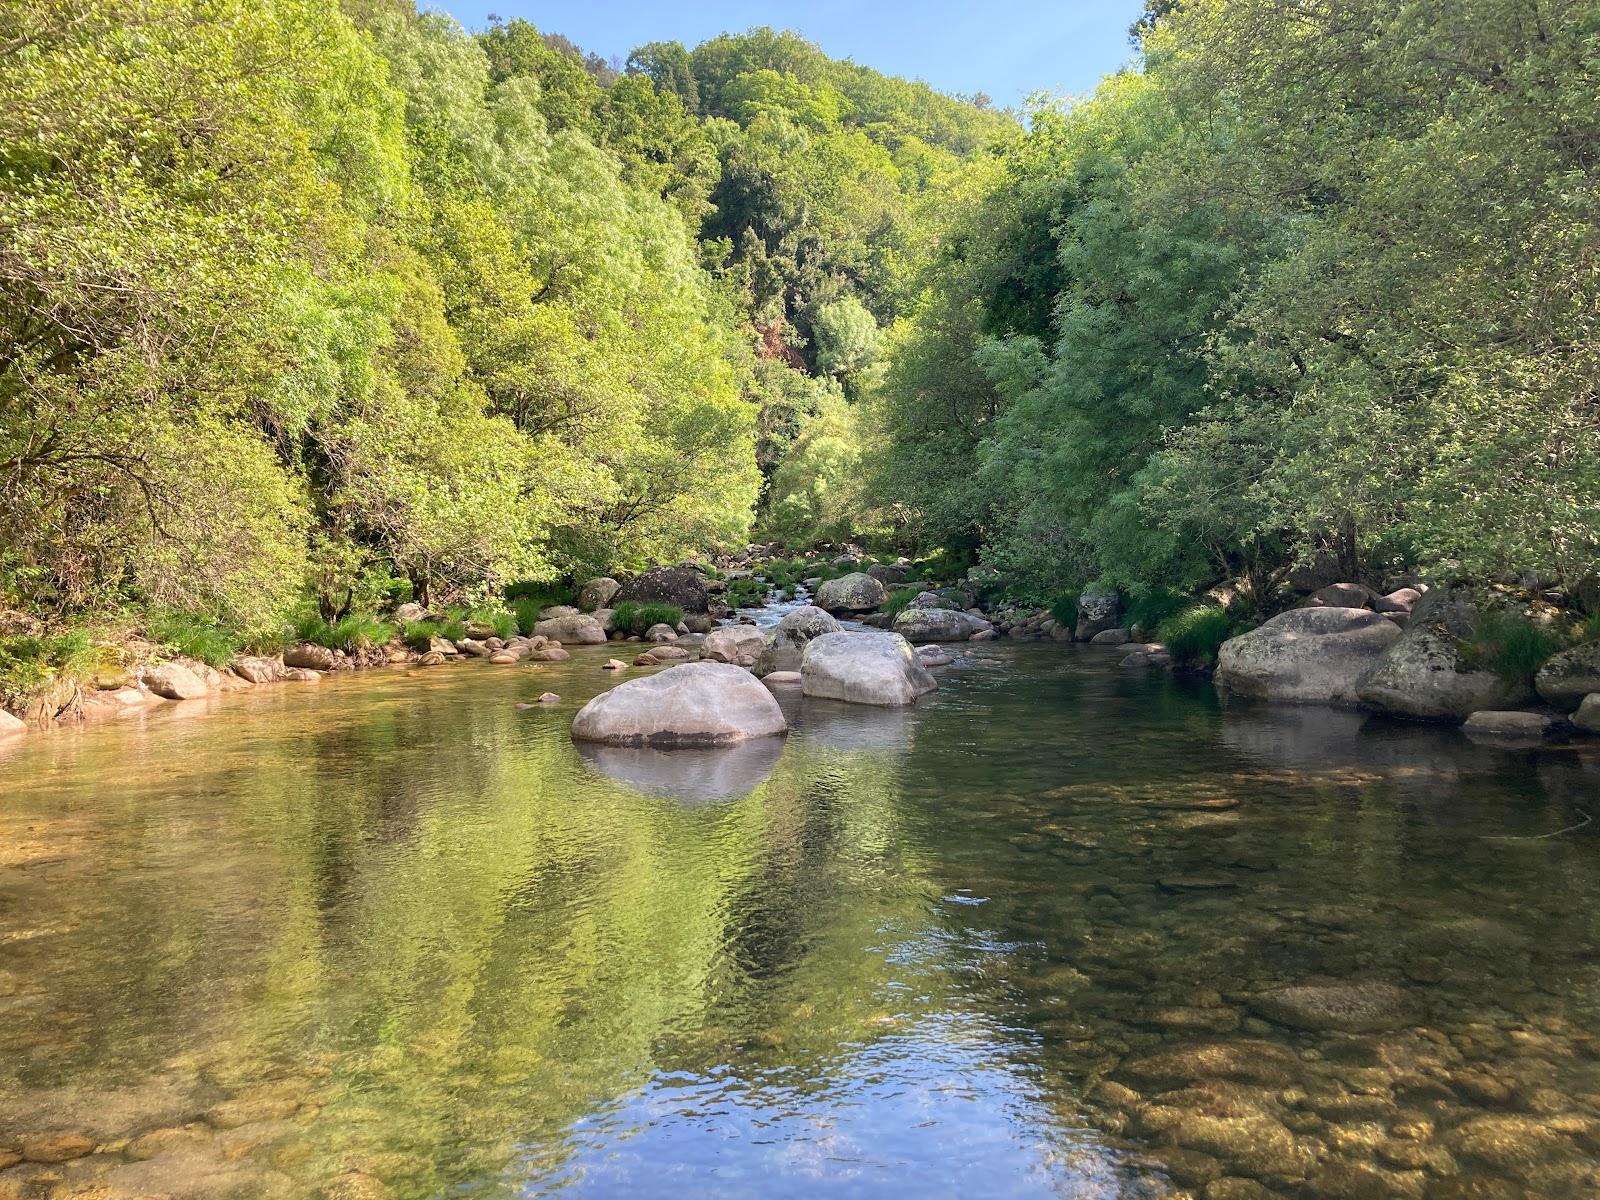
1307 655
694 704
852 593
1341 1007
1515 725
864 668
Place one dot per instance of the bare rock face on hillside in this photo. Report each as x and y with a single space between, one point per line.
694 704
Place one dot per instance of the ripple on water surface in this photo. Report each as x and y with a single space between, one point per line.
1062 930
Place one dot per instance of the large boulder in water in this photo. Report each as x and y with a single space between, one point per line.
1307 655
851 593
695 704
788 642
864 668
1098 611
1567 678
1426 677
740 645
667 585
577 630
937 625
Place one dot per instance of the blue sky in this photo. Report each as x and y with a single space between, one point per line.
1007 48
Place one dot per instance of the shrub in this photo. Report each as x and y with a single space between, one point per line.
1151 609
747 593
28 662
1193 637
632 616
502 622
1064 611
898 600
193 636
419 635
544 595
1508 644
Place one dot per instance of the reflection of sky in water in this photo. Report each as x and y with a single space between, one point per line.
932 1111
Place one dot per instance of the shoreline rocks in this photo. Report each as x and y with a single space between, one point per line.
1307 656
856 593
1425 676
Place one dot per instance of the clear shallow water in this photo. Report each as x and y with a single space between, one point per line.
394 933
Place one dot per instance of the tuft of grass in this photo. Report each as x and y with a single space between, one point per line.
194 637
1194 636
357 631
502 622
1064 610
898 600
453 628
632 616
525 613
747 593
419 635
1508 644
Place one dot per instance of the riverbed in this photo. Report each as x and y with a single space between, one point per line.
393 934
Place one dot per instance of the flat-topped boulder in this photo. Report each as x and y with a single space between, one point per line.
1307 655
694 704
864 668
579 629
858 593
937 625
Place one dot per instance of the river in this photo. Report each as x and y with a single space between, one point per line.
393 934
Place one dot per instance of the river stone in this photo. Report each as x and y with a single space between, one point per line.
1306 655
310 656
1507 1142
549 654
307 675
597 593
56 1147
1098 611
1339 1007
1507 724
864 668
788 641
557 611
1111 637
1254 1145
740 645
1341 595
1401 600
778 679
851 593
1242 1060
257 669
576 630
1570 676
889 575
1424 676
410 611
667 585
10 724
174 681
934 656
661 632
505 658
694 704
1587 718
937 625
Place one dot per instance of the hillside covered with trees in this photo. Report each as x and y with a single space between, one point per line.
311 310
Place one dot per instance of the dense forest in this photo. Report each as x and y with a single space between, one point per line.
314 309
